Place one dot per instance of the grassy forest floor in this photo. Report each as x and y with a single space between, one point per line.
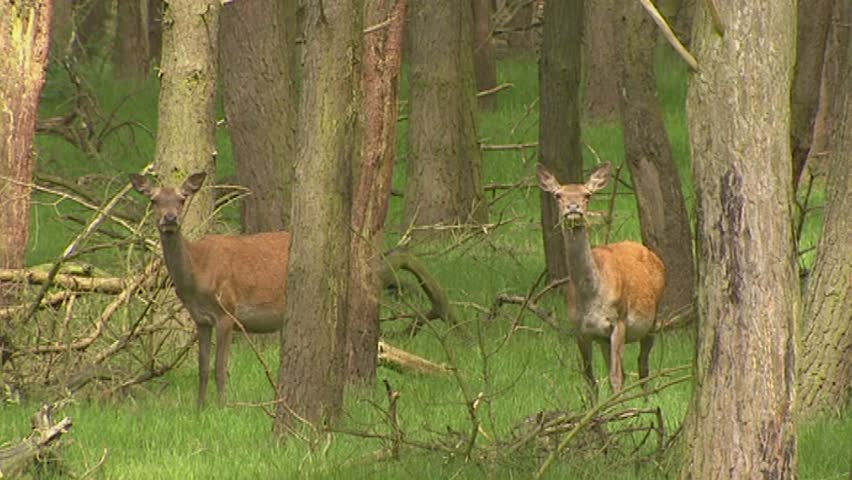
154 430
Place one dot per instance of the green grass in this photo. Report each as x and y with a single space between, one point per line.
154 431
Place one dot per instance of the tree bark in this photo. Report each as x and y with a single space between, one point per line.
648 154
260 105
602 59
380 87
24 45
313 361
559 117
131 53
484 59
185 137
814 19
826 366
444 177
741 419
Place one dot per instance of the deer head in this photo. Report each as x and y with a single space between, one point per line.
573 198
168 202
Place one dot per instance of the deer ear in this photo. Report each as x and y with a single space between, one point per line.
599 178
192 184
546 180
140 184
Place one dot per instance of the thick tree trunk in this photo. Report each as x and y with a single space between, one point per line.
814 19
826 366
559 134
602 59
662 210
24 45
313 343
131 53
260 105
380 87
740 423
185 137
484 59
444 180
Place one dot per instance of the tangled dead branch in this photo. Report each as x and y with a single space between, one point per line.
19 458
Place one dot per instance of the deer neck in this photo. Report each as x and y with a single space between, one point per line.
176 252
582 269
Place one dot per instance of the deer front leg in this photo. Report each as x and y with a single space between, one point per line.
616 348
224 332
204 338
585 346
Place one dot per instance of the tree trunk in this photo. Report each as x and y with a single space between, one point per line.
559 134
260 105
24 45
602 59
131 53
380 87
313 361
814 19
90 28
155 30
662 210
826 366
740 423
484 59
444 178
185 137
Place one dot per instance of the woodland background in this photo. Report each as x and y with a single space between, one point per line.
381 130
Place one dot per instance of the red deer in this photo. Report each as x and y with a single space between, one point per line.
220 279
614 289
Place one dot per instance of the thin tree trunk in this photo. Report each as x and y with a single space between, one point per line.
444 178
131 55
601 56
24 45
826 366
662 210
484 59
741 418
814 19
313 345
185 136
559 134
380 87
260 104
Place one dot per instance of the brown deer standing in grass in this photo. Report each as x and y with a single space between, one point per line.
220 279
614 289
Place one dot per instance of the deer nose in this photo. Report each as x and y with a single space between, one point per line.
170 218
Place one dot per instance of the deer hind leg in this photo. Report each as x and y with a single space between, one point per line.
224 332
644 353
616 352
205 333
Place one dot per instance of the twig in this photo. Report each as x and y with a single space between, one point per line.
510 146
493 90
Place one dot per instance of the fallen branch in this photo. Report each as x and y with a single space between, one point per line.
77 283
397 359
17 459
